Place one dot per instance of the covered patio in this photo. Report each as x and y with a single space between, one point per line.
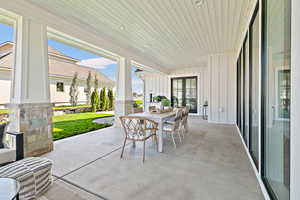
210 164
226 61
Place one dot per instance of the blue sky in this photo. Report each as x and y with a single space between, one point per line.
6 34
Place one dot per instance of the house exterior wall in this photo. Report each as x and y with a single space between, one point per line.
222 93
5 85
56 97
64 96
216 84
160 84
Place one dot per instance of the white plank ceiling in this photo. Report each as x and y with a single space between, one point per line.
175 33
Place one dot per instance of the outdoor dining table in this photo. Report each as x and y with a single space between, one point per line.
160 118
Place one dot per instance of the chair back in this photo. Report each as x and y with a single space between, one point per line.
2 132
137 127
151 108
179 113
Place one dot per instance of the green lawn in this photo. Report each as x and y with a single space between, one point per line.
138 101
71 107
3 111
74 124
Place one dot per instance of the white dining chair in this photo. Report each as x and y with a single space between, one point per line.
172 126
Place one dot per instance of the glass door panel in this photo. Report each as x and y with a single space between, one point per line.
184 93
246 91
276 113
254 89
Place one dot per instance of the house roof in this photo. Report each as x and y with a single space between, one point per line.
60 65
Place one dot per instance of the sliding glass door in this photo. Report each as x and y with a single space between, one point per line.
184 93
246 90
276 102
254 88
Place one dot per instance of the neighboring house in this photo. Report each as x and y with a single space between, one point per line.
61 71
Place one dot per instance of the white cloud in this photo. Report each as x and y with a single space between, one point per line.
97 63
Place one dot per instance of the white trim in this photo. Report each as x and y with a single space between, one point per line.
257 174
69 40
295 102
7 17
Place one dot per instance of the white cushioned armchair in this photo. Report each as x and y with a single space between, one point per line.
8 155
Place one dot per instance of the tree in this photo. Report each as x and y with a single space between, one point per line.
74 90
96 84
103 99
110 95
95 101
89 87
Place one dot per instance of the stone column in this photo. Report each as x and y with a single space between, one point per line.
30 108
124 101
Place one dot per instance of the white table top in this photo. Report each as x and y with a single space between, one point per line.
159 116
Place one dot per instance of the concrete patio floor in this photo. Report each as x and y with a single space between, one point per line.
210 164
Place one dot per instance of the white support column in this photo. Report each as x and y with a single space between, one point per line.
30 108
295 102
124 101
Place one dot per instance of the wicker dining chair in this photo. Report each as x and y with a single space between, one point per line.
138 129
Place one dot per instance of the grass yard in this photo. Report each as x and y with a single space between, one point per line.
71 107
138 101
74 124
3 111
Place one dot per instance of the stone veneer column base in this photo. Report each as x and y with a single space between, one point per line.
35 121
122 107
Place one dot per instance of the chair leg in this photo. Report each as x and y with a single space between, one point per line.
186 127
144 151
123 147
178 133
156 142
172 134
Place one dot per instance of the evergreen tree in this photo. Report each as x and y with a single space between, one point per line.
74 90
110 95
96 84
89 88
95 101
103 99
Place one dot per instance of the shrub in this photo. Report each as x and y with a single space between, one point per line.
166 102
103 99
110 95
95 101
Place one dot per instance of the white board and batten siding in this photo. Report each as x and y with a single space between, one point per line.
216 84
160 84
222 94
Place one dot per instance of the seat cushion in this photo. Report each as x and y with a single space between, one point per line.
7 155
2 129
34 175
168 127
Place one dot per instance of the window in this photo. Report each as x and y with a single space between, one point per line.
254 88
276 63
246 91
59 87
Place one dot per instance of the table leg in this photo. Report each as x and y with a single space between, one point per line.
160 138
